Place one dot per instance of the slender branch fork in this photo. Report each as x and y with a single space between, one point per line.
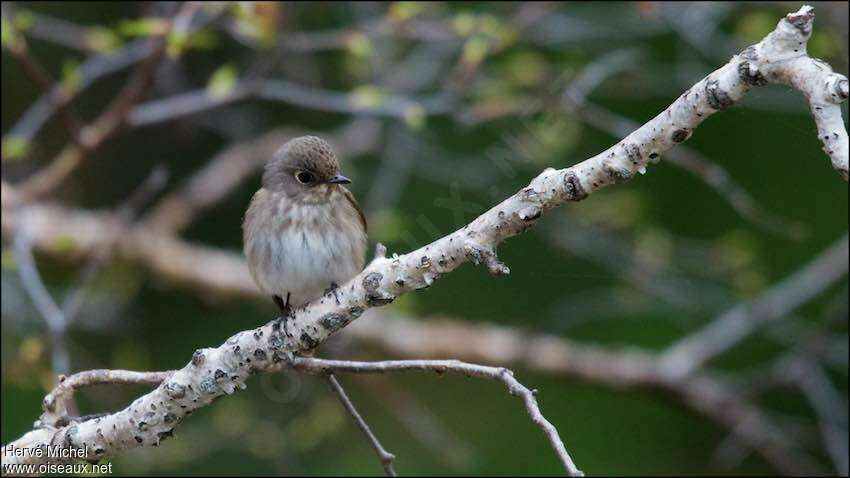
499 374
213 372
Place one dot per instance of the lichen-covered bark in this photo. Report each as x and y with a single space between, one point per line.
215 372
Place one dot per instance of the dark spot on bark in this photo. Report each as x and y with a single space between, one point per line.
680 135
166 434
138 439
372 281
219 374
375 301
617 175
260 354
355 312
275 341
198 358
750 75
169 417
572 187
333 321
309 342
69 437
208 385
633 152
175 390
716 97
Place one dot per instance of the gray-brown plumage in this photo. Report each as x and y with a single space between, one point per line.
303 232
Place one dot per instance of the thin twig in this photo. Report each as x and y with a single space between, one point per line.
384 456
57 96
91 70
41 298
110 121
55 402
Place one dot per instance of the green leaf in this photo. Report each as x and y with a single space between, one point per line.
222 81
9 34
474 50
401 11
24 20
143 27
8 259
15 147
64 244
72 76
358 45
202 39
102 39
464 23
415 117
175 44
366 96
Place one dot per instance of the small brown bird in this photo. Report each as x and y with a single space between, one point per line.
304 233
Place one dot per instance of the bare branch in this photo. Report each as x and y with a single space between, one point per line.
499 374
41 298
184 104
110 121
56 95
56 413
384 456
91 70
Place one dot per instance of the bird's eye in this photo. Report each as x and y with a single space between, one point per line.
304 177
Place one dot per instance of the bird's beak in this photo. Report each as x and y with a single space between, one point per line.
339 179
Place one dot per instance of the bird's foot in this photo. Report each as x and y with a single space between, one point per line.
286 312
333 290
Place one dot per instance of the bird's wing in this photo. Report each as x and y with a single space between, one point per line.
350 197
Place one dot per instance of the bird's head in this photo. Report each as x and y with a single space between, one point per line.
303 166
